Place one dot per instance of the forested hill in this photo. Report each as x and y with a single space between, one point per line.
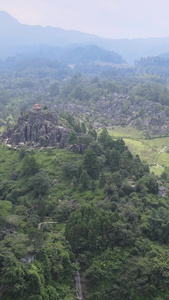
77 54
85 54
101 209
154 65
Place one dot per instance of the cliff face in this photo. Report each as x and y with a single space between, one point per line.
40 128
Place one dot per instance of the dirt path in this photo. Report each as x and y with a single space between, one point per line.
158 154
40 224
78 286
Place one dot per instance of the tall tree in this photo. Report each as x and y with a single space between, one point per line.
91 163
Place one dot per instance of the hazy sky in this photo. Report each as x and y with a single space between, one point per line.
107 18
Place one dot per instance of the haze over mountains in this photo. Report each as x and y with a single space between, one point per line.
17 38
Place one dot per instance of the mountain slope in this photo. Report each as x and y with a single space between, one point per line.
14 35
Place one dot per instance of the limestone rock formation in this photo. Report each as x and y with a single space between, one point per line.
38 127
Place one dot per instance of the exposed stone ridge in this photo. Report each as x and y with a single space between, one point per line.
121 110
39 128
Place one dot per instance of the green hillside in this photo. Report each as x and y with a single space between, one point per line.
84 178
101 208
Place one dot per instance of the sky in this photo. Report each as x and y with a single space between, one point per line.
105 18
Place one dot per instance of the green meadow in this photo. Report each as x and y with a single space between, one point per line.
153 150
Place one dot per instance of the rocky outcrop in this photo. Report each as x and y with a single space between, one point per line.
38 127
121 110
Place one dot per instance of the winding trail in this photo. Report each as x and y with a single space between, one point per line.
158 154
48 222
78 286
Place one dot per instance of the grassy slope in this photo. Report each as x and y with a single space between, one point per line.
50 162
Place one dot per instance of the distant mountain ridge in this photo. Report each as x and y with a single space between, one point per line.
80 54
71 55
16 37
